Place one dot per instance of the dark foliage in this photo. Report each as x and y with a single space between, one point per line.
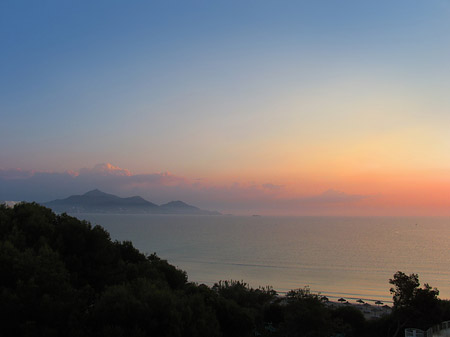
60 276
415 307
63 277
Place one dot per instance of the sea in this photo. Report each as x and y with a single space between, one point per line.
349 257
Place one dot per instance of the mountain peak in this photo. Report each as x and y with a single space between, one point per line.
96 201
94 193
177 203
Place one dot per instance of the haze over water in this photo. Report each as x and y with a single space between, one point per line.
330 108
338 256
318 108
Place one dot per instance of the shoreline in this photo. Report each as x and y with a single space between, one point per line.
370 311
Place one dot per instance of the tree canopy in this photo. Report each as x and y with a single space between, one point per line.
64 277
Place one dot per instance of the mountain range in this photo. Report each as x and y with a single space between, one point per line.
96 201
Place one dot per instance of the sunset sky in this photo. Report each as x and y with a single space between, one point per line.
269 107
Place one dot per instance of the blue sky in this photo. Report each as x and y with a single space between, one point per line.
264 91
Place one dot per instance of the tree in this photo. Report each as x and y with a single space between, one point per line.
414 306
404 289
348 320
305 315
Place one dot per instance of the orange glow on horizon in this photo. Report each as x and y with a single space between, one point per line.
400 192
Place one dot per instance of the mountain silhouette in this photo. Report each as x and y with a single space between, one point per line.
96 201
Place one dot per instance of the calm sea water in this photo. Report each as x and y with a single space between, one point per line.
352 257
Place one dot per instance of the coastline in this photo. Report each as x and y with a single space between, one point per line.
370 311
336 257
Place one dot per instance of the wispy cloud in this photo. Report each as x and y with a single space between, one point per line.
333 196
161 187
19 184
11 174
272 187
105 170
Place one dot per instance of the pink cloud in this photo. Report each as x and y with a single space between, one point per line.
244 198
333 196
15 174
105 169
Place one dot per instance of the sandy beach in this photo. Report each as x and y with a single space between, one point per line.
369 310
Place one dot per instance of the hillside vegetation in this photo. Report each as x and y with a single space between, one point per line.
64 277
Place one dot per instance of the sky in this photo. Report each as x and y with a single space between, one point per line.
270 107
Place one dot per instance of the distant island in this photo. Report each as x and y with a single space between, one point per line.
96 201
